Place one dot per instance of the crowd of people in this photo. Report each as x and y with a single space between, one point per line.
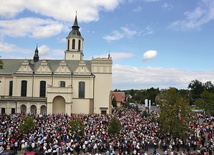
139 135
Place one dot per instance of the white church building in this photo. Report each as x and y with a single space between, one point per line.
68 86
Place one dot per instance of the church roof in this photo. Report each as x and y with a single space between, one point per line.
11 66
75 29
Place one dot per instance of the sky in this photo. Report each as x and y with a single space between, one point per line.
153 43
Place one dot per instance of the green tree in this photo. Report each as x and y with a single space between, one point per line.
76 127
114 126
196 88
174 114
206 102
1 64
209 86
117 90
152 93
184 93
114 102
28 125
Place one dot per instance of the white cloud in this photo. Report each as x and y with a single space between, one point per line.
63 40
9 9
114 36
117 35
127 32
32 27
138 9
167 6
149 55
5 47
143 78
56 15
59 9
9 48
147 31
47 31
47 53
201 15
44 52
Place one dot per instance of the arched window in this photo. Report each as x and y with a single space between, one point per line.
79 44
11 88
73 44
81 89
24 88
68 45
42 88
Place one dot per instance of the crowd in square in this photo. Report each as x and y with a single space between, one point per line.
139 135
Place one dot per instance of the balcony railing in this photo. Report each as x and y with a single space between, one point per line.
23 98
60 90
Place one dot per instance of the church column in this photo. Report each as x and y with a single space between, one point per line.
49 107
68 108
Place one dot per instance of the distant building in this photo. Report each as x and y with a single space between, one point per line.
119 96
70 85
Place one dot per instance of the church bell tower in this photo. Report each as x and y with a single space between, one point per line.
74 49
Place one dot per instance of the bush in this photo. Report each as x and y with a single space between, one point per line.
114 126
27 125
76 127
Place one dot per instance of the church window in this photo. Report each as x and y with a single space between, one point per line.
2 110
62 83
42 88
79 45
24 88
68 44
13 110
10 88
81 89
73 44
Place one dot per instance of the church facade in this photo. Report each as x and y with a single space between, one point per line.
71 85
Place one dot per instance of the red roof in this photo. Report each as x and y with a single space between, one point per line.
118 96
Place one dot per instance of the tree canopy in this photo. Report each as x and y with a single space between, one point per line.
140 95
197 88
1 64
174 114
76 127
114 126
206 102
28 125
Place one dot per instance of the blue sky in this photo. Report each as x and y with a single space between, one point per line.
153 43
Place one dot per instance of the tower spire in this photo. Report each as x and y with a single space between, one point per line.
75 25
75 28
36 54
